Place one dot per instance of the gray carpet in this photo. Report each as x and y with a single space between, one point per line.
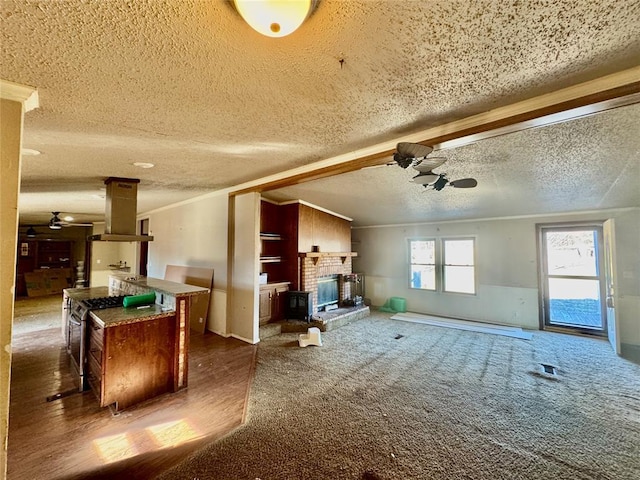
394 400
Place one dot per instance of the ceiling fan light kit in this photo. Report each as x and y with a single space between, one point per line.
275 18
56 224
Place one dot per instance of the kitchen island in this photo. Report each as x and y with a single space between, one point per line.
136 353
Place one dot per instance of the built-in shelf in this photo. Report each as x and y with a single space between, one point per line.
315 256
270 259
270 236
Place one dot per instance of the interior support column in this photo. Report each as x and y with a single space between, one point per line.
14 101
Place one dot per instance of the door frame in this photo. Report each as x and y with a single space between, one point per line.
543 310
611 280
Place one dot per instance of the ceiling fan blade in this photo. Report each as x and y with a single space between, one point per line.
388 164
464 183
426 178
413 150
427 164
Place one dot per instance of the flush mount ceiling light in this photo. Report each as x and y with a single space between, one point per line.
143 164
275 18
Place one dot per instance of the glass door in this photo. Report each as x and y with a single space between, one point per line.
572 282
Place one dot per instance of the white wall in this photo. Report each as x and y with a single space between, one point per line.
245 227
627 235
104 254
507 271
10 143
194 234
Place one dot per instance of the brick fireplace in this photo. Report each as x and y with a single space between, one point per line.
314 267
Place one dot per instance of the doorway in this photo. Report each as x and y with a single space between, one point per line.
144 248
572 280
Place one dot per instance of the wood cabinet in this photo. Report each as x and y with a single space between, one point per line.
54 256
292 229
132 362
272 301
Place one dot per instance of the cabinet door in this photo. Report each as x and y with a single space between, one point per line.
265 304
95 360
279 302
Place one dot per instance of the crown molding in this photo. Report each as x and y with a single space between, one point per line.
16 92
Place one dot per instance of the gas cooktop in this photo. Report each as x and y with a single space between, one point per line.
104 302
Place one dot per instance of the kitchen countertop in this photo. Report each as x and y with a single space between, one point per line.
111 317
162 286
87 293
116 316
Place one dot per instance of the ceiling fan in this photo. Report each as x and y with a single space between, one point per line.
56 224
415 155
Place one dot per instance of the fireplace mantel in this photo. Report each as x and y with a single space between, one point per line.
318 255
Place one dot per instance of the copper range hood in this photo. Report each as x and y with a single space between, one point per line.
121 211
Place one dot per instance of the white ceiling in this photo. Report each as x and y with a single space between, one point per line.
188 86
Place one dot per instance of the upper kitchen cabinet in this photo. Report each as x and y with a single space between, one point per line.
54 254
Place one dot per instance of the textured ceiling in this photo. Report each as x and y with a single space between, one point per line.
585 164
188 86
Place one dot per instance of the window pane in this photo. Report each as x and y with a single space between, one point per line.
575 301
458 252
423 276
459 279
572 253
423 251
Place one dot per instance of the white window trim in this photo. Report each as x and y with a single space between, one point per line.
442 259
435 265
439 265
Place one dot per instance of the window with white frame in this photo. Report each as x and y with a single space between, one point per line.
448 265
459 271
422 255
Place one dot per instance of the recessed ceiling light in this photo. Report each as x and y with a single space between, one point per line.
68 218
30 152
143 165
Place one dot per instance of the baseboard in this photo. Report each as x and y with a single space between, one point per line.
222 334
630 352
244 339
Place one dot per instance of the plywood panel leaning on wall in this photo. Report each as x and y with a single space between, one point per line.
199 277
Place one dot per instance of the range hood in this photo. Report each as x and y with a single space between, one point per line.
121 211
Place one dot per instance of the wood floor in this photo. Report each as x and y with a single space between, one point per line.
73 438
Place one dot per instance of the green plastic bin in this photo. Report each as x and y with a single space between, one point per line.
398 304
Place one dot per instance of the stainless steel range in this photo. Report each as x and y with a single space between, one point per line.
77 316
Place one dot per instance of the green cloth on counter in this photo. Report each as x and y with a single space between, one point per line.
135 300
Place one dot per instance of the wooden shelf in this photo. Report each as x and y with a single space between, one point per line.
270 259
270 236
318 255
